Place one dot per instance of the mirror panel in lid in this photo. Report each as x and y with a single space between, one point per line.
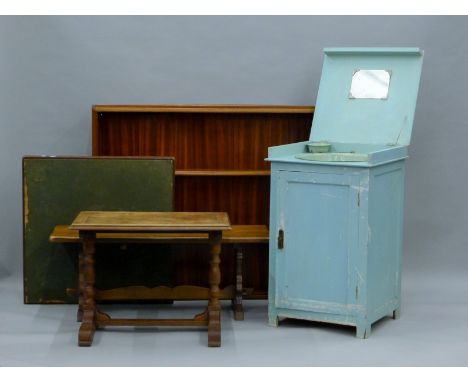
367 95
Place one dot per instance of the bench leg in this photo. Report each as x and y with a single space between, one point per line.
237 300
214 307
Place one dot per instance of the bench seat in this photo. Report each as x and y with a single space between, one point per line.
239 234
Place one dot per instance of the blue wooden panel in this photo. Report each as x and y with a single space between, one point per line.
385 238
320 233
338 118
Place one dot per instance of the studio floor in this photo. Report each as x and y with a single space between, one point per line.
432 331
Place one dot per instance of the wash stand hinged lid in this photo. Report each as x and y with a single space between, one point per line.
367 95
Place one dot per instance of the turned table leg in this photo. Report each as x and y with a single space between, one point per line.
214 307
88 325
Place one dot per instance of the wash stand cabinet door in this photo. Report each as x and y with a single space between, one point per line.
318 248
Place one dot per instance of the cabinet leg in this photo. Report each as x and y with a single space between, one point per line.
363 330
396 314
273 320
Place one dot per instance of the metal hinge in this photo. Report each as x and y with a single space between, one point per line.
280 239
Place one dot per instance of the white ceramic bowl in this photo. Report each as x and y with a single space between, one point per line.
319 147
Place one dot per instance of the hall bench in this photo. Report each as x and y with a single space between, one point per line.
238 236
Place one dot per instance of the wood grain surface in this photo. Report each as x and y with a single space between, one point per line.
114 221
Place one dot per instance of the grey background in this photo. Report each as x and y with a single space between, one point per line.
52 69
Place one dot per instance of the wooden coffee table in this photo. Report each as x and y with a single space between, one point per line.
90 223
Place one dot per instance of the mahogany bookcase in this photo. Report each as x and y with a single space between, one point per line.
219 153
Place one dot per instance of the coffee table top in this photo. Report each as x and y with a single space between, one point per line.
117 221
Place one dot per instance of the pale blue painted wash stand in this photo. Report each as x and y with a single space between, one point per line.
337 219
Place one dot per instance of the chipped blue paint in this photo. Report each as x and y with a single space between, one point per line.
343 221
